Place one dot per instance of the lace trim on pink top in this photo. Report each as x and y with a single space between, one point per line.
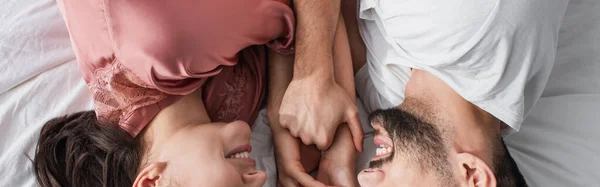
118 93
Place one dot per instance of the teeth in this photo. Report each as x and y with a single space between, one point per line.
382 150
245 154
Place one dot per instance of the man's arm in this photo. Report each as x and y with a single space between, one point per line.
315 104
317 22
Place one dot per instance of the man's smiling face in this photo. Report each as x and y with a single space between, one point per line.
410 153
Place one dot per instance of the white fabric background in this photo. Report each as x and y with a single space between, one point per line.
39 80
558 141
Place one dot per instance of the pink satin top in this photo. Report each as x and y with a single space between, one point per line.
139 56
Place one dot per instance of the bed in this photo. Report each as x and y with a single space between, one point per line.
39 80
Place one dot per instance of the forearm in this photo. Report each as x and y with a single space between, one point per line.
317 21
357 47
344 75
280 75
342 60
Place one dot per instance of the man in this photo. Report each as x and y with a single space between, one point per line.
459 75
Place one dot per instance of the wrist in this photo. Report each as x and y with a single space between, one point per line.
343 141
317 79
313 65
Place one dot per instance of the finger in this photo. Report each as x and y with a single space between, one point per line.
306 140
287 182
284 169
306 180
323 177
284 120
356 130
294 132
324 141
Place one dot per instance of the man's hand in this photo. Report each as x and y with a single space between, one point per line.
312 108
337 164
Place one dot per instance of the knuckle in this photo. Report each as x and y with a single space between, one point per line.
306 141
322 135
283 119
326 139
286 170
321 143
293 132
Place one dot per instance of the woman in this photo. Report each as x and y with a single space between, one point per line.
164 76
175 84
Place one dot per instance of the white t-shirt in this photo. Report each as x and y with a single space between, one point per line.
497 54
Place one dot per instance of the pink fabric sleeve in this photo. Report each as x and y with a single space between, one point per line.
139 56
173 44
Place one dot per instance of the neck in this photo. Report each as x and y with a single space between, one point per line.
189 110
469 128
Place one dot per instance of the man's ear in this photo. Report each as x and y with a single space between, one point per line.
150 175
474 171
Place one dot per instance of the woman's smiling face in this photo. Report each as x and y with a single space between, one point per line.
214 154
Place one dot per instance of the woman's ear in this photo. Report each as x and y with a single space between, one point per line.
474 171
150 175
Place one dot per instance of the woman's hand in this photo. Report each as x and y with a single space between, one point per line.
290 171
291 165
337 165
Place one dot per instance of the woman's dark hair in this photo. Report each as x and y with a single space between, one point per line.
78 150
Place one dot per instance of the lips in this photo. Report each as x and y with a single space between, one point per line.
241 155
383 150
242 151
384 143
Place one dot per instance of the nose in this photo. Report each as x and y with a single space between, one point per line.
254 178
237 130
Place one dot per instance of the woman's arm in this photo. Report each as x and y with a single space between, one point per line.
280 75
338 162
293 158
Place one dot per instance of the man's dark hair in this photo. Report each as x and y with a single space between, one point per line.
419 142
77 150
505 168
414 136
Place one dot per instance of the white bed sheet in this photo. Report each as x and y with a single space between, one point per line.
33 39
26 108
558 142
39 80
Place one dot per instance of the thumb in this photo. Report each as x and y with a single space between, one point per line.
356 129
